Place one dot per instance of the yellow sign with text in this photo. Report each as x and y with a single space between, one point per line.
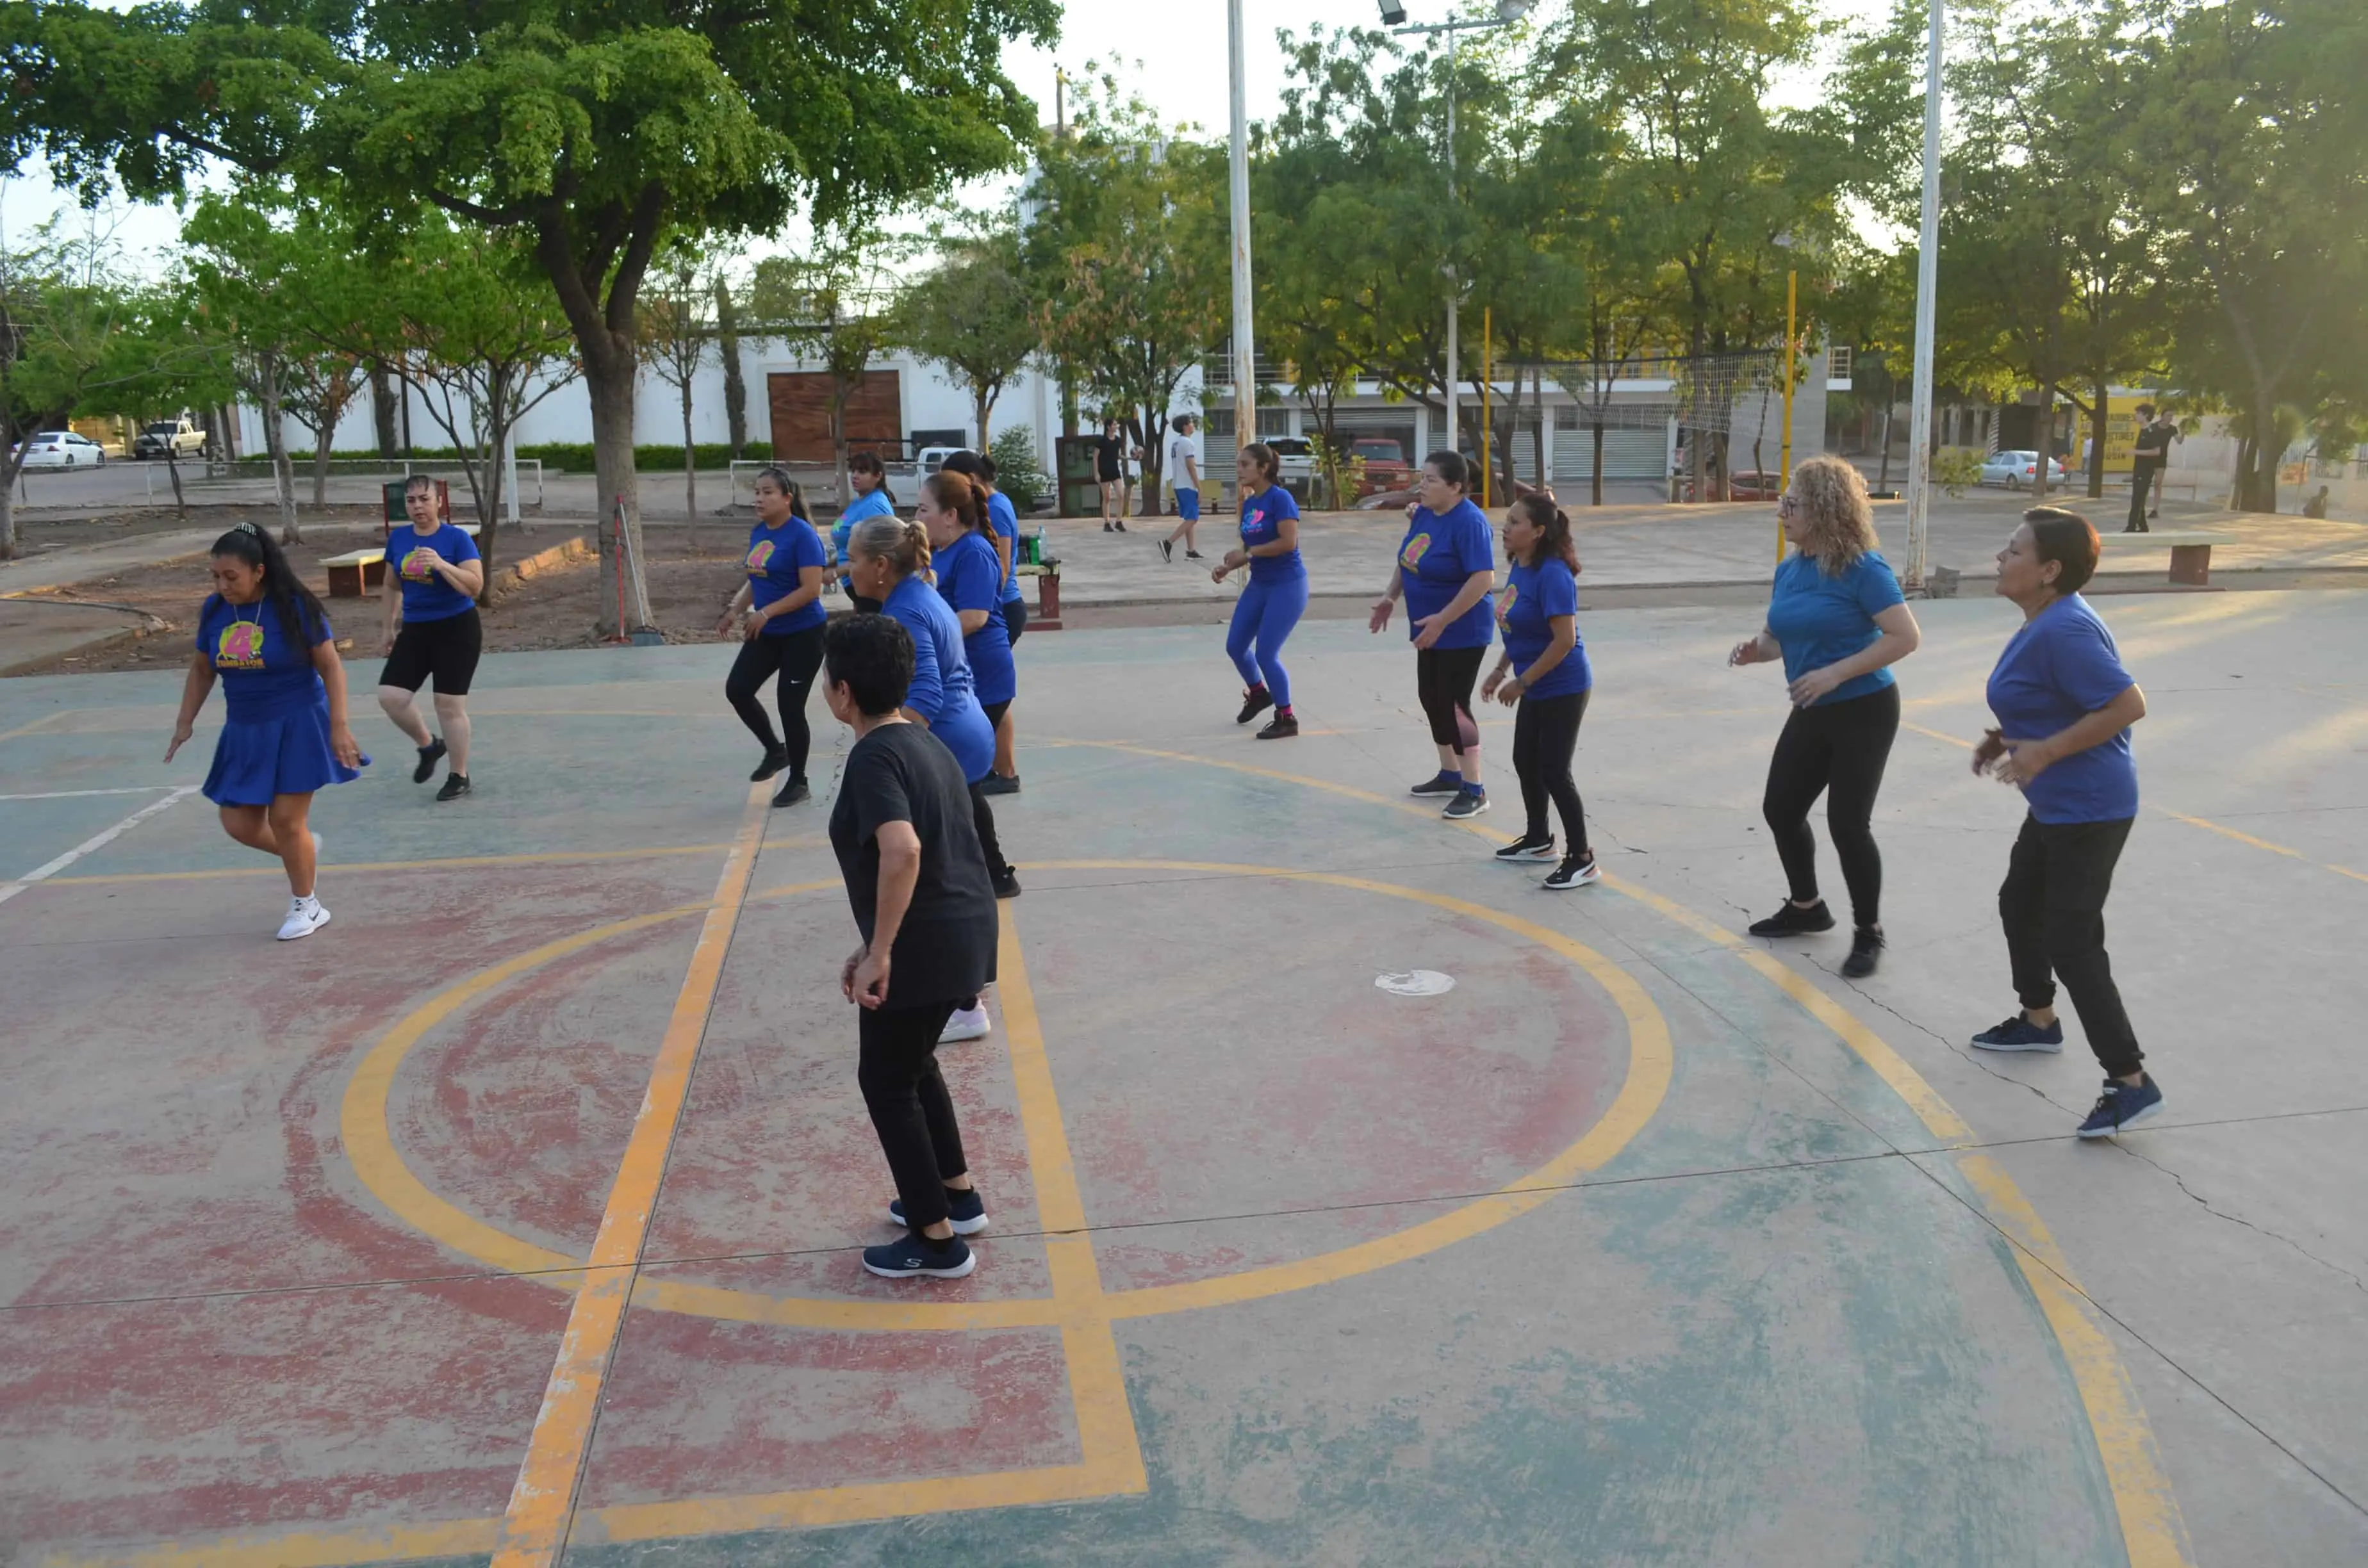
2121 423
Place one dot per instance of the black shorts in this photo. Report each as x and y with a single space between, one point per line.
446 649
1015 619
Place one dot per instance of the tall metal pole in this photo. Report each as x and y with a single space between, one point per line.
1784 463
1928 269
1245 348
1454 283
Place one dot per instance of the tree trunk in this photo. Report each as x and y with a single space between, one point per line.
173 467
1537 431
1883 476
689 475
839 394
1598 466
328 433
2097 444
8 516
2046 441
984 406
735 383
275 444
608 378
382 386
2260 480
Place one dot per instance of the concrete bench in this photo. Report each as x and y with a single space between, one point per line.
2191 550
357 571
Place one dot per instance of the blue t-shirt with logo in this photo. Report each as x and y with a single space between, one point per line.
968 578
1005 518
425 595
873 504
1534 596
1439 555
776 556
2060 667
943 692
1262 515
262 677
1821 620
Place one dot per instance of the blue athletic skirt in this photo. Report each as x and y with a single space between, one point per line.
284 753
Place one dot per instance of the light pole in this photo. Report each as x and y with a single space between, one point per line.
1927 265
1507 12
1245 354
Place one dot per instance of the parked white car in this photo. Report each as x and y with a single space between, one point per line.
61 449
2015 469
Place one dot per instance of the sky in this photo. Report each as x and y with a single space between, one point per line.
1173 53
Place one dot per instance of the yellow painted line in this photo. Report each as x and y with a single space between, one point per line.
844 1505
1941 735
535 1524
29 728
301 1549
1106 1433
453 863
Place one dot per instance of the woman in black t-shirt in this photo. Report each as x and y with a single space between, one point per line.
1109 467
918 882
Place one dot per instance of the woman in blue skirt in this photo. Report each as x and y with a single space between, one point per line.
286 734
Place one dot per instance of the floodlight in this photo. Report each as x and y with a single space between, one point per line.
1392 12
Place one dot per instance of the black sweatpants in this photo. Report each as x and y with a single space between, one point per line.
794 658
1837 749
1545 734
2141 483
1443 679
910 1109
2053 905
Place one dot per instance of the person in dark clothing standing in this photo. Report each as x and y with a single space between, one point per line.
1109 467
917 885
2153 455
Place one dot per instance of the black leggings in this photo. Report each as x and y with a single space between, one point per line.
910 1109
1015 619
1545 734
2053 904
1443 679
795 657
981 815
1837 749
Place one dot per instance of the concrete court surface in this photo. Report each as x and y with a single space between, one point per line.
1644 1244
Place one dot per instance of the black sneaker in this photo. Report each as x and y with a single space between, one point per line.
455 786
1866 947
429 755
1122 528
2018 1033
1192 555
1528 849
999 784
776 758
1467 804
1105 527
791 793
1280 728
917 1258
1167 551
1575 871
1794 921
1006 885
965 1209
1440 783
1255 701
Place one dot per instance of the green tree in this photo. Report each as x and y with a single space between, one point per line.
972 317
678 338
836 304
598 131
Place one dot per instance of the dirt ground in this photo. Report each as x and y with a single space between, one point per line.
554 609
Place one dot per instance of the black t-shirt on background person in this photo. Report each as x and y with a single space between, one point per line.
2158 435
1109 455
945 949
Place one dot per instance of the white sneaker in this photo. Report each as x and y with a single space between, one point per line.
305 916
968 1023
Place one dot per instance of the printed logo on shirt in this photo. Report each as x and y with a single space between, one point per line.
415 565
1416 548
1253 523
239 647
1505 604
758 557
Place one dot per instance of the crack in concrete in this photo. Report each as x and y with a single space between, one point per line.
2206 1205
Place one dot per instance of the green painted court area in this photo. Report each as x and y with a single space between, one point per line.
1642 1241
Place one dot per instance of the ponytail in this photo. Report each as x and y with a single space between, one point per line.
899 539
961 491
1539 510
868 462
302 621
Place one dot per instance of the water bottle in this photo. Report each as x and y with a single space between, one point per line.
1036 547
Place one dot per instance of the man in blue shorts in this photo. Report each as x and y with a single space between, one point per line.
1184 475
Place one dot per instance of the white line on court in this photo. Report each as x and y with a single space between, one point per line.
42 873
78 794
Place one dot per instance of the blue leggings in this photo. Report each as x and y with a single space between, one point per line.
1264 615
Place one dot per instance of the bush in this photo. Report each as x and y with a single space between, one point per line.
569 457
1017 471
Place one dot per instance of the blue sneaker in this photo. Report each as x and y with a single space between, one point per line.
916 1258
2122 1105
1467 804
1444 783
2020 1033
966 1209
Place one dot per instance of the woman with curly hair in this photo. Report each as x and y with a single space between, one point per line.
1838 621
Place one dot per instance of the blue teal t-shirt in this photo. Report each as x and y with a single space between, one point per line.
262 677
873 505
425 595
1439 555
1534 596
2059 667
1820 619
1262 515
968 578
776 556
943 692
1005 518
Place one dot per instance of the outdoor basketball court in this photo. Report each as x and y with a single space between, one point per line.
1641 1243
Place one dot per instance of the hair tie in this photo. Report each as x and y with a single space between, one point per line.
243 525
